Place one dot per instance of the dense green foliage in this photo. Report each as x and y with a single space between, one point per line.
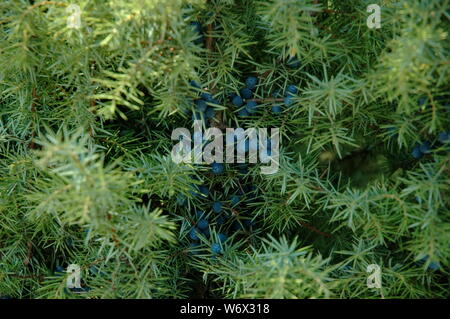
86 175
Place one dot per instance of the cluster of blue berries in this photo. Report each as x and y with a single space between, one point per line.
204 104
221 217
420 149
245 96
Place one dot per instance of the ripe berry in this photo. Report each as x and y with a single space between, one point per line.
201 105
433 265
444 137
422 100
217 207
235 199
210 113
425 147
243 112
246 93
202 224
250 82
288 100
216 249
195 84
193 234
222 237
276 109
207 97
199 213
204 190
237 101
293 63
291 89
251 107
217 168
416 153
197 26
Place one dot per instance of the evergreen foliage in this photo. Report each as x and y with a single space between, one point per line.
86 175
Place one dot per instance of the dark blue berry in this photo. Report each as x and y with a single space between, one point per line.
60 270
204 190
422 100
217 168
251 107
416 153
197 26
193 234
237 101
288 100
444 137
195 84
276 109
216 249
201 105
425 147
207 97
433 265
217 207
202 224
291 89
210 113
246 93
222 237
199 213
243 112
293 63
235 199
250 82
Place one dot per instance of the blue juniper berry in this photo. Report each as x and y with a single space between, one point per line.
250 82
243 112
215 248
217 168
202 224
193 234
222 237
217 207
251 107
237 101
246 93
200 105
210 113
